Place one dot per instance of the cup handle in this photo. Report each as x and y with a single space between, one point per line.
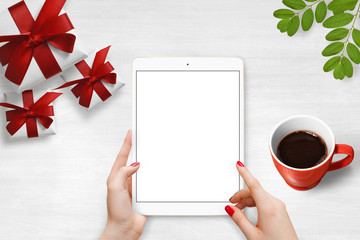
342 149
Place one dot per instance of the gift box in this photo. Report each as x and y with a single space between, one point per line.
37 41
30 114
94 79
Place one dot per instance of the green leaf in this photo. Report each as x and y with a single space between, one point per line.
338 6
320 12
307 19
283 25
311 0
338 20
283 13
294 26
294 4
333 48
331 64
337 34
356 36
339 72
348 68
353 52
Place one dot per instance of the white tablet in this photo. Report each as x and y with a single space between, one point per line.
188 134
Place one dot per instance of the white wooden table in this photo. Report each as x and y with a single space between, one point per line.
54 187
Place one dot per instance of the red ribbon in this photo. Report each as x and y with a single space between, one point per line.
30 112
33 41
93 77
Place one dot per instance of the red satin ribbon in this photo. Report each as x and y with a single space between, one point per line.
33 41
93 77
30 112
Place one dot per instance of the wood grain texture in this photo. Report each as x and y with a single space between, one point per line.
54 187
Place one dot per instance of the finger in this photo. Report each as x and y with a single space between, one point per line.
121 178
257 192
130 186
242 221
239 195
127 171
123 155
247 202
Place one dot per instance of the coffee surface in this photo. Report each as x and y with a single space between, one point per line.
302 149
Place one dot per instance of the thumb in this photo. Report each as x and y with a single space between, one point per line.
127 171
239 217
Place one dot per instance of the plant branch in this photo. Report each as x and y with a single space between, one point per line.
350 30
306 8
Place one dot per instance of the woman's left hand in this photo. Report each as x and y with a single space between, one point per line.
123 222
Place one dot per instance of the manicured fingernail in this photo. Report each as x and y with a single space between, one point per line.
230 199
229 210
134 164
240 164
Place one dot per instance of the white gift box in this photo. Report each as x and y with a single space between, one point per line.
34 75
16 99
73 74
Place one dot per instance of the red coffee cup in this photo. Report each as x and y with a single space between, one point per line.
307 178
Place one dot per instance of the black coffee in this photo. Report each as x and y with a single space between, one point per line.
302 149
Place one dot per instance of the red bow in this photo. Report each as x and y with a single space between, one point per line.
93 77
33 41
30 112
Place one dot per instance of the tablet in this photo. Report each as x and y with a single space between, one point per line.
188 134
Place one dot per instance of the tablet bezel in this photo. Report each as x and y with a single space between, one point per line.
184 64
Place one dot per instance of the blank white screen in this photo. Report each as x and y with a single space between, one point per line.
187 137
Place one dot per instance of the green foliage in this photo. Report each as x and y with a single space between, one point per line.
307 19
283 13
294 4
348 68
338 6
344 37
331 64
320 12
283 25
333 48
294 26
356 36
353 52
339 72
338 20
337 34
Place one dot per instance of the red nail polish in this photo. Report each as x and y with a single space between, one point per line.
134 164
240 164
230 199
229 210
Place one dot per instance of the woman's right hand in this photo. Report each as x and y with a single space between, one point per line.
273 220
